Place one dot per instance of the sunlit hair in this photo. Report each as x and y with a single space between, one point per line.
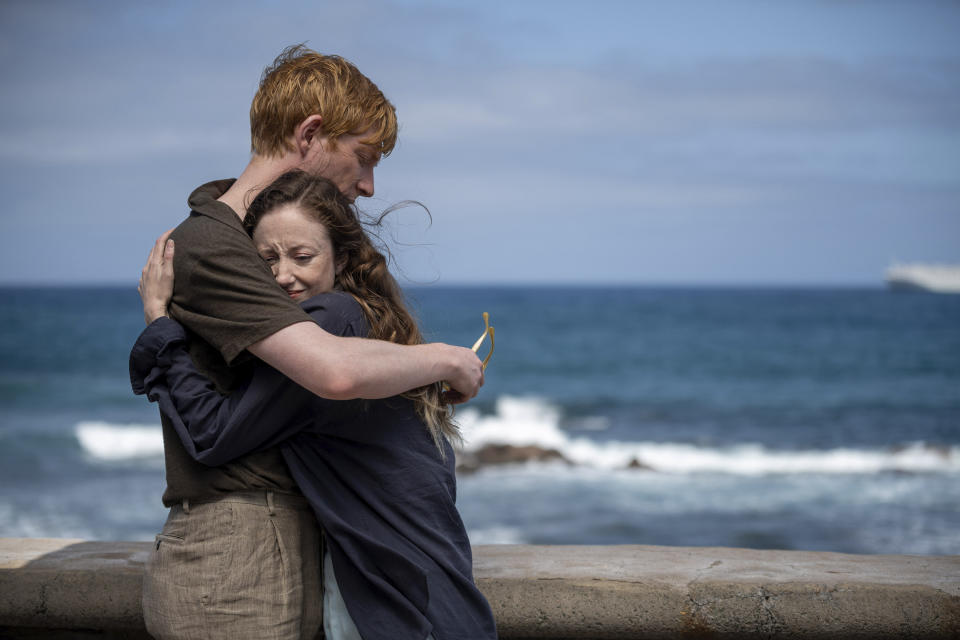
363 274
301 83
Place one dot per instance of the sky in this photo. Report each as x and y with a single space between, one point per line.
662 143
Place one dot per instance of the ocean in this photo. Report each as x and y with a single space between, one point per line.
816 419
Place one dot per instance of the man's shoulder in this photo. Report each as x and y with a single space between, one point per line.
197 226
208 216
200 235
338 312
205 196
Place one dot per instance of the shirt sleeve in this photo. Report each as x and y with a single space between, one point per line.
216 428
223 291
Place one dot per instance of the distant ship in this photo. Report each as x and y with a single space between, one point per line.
938 278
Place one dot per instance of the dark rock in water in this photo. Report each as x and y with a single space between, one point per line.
506 454
636 464
495 454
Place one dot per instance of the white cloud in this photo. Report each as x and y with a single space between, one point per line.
653 121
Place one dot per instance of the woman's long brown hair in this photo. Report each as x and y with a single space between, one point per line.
363 273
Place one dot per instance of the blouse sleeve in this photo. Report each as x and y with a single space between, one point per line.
216 428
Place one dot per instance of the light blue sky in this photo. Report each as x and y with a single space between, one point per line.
650 142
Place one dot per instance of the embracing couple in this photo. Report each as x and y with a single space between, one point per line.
306 427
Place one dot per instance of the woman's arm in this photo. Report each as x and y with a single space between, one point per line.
215 428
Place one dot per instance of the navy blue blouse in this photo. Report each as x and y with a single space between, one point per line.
369 468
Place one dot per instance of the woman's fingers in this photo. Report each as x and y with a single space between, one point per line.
168 254
156 278
156 257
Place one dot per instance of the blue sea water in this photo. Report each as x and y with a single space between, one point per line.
822 419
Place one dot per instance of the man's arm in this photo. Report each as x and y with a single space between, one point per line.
346 368
330 366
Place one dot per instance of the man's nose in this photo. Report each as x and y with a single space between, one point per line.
365 184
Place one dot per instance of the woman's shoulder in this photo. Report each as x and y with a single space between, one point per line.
338 313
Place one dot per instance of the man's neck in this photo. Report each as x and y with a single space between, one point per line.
260 172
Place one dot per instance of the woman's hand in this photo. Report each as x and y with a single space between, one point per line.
156 279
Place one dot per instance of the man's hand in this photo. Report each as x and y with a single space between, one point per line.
156 279
466 375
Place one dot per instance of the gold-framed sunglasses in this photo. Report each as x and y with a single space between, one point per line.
487 331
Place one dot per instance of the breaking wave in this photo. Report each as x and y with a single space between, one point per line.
115 442
523 421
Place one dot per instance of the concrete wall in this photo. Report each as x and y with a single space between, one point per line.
78 589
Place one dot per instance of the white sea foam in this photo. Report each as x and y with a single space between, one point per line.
113 442
497 535
524 421
532 421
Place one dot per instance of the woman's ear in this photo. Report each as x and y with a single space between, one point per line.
340 264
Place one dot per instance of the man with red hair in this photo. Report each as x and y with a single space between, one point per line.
239 554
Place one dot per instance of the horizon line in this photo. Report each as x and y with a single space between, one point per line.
789 284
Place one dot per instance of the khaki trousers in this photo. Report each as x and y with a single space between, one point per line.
243 566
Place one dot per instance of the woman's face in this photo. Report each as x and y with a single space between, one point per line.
299 251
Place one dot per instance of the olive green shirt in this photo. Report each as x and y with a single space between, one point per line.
226 297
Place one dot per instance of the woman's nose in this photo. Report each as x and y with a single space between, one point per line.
282 272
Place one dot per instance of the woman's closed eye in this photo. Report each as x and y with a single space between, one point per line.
303 258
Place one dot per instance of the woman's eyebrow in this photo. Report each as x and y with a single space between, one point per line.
296 247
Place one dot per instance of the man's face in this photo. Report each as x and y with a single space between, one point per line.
347 162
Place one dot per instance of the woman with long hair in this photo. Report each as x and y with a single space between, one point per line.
379 474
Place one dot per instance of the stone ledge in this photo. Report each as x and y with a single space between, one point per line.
76 588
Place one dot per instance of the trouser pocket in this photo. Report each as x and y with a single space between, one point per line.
183 573
234 570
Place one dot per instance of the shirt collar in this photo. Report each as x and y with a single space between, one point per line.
203 200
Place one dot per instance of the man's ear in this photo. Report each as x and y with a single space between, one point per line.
308 133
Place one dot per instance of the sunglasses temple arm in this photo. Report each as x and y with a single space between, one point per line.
492 343
486 330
